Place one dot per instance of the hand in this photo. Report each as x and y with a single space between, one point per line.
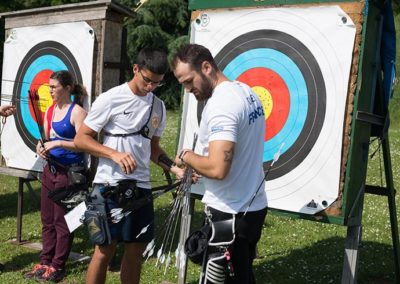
52 144
43 149
179 157
125 161
7 110
40 150
178 172
195 177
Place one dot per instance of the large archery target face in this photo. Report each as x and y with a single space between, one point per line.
33 75
289 82
289 57
31 55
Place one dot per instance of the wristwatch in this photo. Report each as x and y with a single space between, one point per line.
181 155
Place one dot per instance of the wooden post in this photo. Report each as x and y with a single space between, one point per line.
24 177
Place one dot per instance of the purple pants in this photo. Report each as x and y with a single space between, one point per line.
56 238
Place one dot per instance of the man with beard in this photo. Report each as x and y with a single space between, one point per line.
231 135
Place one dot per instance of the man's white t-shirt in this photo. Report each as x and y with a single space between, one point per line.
120 111
235 113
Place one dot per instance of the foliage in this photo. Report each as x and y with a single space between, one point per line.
162 24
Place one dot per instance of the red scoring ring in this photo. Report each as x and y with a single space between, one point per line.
276 86
40 79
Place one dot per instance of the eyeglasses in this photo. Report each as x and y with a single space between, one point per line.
148 81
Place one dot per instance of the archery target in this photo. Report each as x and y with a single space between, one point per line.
297 60
37 66
35 53
287 78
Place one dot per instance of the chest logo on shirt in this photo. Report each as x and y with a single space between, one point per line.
155 121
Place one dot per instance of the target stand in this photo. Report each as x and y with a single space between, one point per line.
316 68
87 39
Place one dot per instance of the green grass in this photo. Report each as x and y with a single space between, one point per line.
290 251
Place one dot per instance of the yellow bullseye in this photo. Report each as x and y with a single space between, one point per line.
266 99
45 98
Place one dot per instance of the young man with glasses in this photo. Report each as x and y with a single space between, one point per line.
132 120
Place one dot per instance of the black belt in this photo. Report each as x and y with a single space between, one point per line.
139 197
217 215
55 166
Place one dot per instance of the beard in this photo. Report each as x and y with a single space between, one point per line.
205 90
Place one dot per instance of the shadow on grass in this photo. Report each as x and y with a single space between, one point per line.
323 263
8 202
20 262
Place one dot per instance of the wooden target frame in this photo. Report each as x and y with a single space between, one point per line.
109 63
86 39
353 162
365 116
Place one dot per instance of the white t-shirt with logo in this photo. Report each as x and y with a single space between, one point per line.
120 111
234 113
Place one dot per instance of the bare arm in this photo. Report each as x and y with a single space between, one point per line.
218 162
157 157
85 141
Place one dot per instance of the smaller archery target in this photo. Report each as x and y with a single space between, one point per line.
31 89
31 55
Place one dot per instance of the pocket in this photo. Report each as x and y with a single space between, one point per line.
77 175
196 244
96 222
57 194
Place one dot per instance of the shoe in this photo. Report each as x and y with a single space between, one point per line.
37 270
52 275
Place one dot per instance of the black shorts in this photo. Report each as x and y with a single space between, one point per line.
128 228
243 250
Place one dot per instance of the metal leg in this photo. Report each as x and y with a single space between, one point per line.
392 206
353 239
352 244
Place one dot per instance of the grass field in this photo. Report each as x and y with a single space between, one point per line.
290 251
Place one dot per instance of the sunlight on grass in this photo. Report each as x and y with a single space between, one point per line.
290 250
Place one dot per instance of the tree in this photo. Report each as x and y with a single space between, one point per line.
162 24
